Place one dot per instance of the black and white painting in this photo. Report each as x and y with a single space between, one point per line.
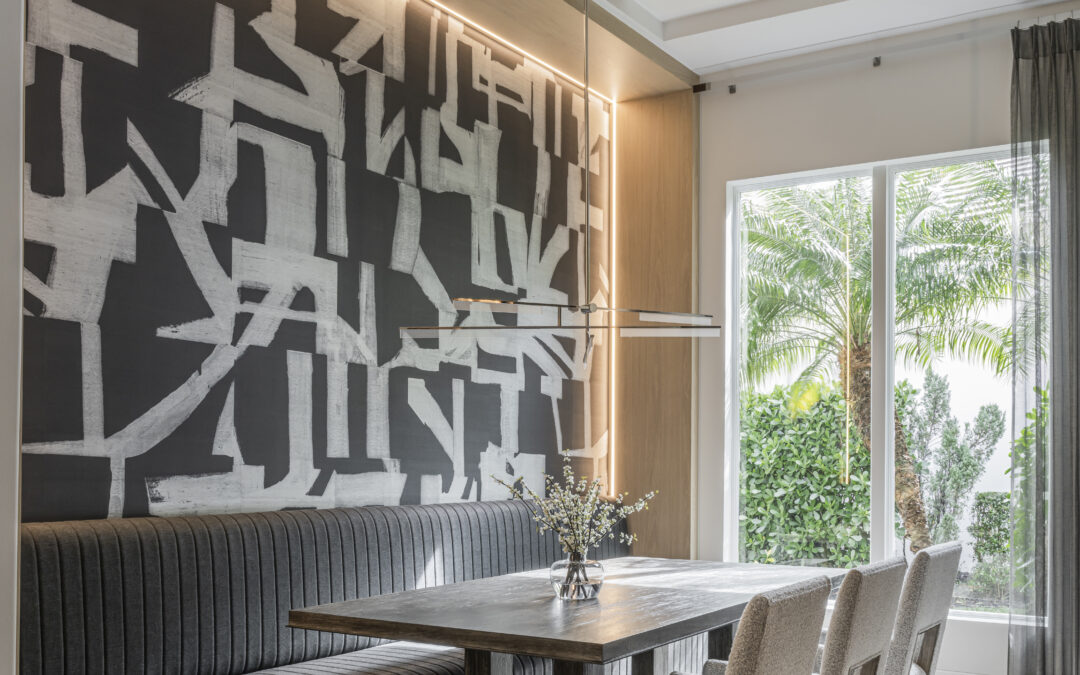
232 206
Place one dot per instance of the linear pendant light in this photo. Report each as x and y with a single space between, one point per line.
666 324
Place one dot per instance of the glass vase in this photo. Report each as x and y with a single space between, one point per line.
576 577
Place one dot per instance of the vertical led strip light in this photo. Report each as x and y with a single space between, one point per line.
614 263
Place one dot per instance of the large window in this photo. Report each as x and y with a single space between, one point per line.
804 413
907 265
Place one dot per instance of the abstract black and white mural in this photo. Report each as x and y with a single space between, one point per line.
232 206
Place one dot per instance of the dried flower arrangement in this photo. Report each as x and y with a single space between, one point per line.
580 516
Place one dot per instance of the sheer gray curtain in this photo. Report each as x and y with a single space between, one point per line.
1044 628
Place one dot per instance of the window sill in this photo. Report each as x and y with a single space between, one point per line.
978 617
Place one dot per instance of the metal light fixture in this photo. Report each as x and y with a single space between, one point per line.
667 324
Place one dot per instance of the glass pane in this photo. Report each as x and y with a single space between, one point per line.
953 391
804 372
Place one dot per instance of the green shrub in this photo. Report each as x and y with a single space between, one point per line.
799 505
989 579
990 524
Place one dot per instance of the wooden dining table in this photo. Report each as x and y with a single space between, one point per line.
644 605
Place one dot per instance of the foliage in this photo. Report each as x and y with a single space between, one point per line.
990 579
795 505
1028 478
575 509
990 524
807 283
948 461
807 272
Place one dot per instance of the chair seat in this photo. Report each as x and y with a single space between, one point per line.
401 658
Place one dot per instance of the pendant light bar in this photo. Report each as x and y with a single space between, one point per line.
674 317
434 332
670 331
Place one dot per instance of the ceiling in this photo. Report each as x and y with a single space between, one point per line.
712 36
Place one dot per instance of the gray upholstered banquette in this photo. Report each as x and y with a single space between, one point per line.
211 594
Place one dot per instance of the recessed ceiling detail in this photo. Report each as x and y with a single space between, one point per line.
713 36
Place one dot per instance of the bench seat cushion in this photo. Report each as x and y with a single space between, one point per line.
401 658
414 658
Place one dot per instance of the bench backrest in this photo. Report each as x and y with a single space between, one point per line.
211 594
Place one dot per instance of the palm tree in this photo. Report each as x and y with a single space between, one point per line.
806 294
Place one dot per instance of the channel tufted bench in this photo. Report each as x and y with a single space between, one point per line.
211 594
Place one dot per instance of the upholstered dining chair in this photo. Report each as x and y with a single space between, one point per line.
778 632
924 607
862 620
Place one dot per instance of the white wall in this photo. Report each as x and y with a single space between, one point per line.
949 97
11 165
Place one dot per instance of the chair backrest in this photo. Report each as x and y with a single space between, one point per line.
779 630
210 595
862 621
924 607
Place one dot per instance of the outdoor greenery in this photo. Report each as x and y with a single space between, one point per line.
805 479
806 297
796 507
990 529
990 524
1030 497
948 460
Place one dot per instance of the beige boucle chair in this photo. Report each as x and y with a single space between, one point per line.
778 632
862 619
924 607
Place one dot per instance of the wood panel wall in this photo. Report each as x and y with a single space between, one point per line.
654 268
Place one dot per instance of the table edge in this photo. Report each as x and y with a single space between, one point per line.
548 648
462 638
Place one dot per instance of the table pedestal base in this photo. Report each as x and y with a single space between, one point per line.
575 668
653 662
480 662
720 640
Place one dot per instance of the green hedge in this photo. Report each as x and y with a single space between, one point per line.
796 506
990 528
990 524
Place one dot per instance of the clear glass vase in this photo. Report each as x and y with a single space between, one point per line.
576 577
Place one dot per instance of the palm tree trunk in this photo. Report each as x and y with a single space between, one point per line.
855 379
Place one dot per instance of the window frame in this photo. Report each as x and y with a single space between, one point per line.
883 304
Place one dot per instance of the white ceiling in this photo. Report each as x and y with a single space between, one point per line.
710 36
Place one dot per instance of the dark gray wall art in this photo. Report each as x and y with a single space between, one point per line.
232 206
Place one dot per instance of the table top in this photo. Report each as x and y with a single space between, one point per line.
644 603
